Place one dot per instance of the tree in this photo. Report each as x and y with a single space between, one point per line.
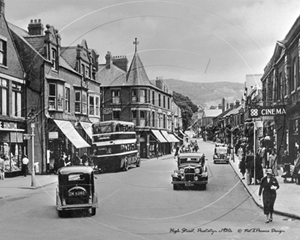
187 108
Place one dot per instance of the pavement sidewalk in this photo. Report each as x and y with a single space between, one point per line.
288 194
19 185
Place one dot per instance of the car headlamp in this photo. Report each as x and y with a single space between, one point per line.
197 170
181 171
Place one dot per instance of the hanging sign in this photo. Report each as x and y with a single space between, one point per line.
260 111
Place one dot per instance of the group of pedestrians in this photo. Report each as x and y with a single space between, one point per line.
255 174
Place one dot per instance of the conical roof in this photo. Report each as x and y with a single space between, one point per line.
136 74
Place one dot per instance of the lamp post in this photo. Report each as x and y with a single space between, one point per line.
33 184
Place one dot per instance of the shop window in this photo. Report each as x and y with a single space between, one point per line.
16 99
4 97
3 52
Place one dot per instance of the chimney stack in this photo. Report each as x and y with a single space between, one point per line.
35 27
108 58
120 62
2 8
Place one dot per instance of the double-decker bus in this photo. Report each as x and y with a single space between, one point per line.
114 146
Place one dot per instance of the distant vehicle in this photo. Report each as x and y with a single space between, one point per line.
76 190
220 153
191 171
115 146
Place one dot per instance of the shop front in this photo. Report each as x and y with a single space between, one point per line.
11 148
63 138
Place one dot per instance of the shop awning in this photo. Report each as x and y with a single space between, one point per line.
87 127
166 136
178 137
159 137
70 132
174 139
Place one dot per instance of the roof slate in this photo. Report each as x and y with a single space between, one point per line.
136 74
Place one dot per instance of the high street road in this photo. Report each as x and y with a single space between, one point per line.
141 204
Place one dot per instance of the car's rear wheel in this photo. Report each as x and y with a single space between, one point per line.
138 163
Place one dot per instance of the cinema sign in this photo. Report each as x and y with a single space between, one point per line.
260 111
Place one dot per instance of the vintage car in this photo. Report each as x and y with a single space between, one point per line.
76 190
220 154
191 171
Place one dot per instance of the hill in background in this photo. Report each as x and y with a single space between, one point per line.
207 94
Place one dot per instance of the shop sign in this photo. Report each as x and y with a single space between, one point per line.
26 136
53 135
107 110
260 111
8 125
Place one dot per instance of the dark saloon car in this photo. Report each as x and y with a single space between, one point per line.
191 171
76 190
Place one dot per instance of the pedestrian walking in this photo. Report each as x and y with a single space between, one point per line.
273 162
77 160
242 165
268 187
2 167
249 166
25 162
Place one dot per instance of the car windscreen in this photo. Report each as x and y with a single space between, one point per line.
221 150
190 160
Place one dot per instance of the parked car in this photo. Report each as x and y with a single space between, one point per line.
76 190
221 154
191 171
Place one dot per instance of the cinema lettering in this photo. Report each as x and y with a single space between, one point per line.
260 111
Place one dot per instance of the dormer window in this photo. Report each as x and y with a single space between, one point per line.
54 59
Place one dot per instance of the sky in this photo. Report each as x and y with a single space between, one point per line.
189 40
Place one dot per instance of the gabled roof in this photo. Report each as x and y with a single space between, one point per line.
69 54
233 111
136 74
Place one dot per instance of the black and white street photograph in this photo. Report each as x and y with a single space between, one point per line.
149 119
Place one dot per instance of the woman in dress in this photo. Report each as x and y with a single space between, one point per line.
268 187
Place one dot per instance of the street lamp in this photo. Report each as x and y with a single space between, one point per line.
33 184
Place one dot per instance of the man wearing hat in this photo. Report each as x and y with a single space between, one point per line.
268 187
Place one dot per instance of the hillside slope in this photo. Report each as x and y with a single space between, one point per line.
207 94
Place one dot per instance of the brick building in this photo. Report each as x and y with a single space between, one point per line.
63 95
12 100
130 96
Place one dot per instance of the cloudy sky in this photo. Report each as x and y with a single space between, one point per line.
190 40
